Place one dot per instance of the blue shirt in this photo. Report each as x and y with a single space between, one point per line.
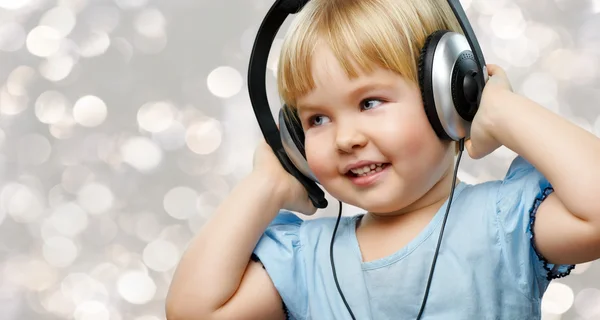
487 266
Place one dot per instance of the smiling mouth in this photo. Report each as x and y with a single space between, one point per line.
367 170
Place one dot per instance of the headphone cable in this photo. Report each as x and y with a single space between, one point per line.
461 147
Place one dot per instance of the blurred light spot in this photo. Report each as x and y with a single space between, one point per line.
124 48
156 116
58 304
587 303
543 36
273 59
147 318
141 153
103 18
225 82
33 149
63 129
57 67
105 272
19 79
150 23
161 255
576 67
95 198
486 7
80 287
75 177
89 111
541 88
147 227
597 126
50 106
12 104
61 19
21 203
95 44
12 36
172 138
43 41
180 202
520 52
57 196
216 184
508 22
33 274
69 219
14 5
177 234
150 45
91 310
136 287
207 204
102 231
582 267
557 299
131 4
60 251
204 137
247 40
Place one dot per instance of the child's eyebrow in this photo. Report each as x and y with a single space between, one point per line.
353 94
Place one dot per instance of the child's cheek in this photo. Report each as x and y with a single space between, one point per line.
320 164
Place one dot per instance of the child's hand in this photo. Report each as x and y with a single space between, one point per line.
482 142
293 195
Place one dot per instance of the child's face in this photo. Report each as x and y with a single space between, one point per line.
376 117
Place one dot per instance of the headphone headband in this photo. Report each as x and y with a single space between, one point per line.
461 16
257 90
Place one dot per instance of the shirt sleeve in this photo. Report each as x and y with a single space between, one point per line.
280 251
520 194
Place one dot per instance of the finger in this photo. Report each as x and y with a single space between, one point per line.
496 70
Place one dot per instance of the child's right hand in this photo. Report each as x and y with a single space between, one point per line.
293 195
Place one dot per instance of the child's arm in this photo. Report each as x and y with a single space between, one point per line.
214 279
567 225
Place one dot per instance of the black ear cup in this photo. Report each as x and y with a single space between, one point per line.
466 89
293 124
426 82
292 140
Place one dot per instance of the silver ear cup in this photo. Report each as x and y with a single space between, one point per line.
450 49
292 150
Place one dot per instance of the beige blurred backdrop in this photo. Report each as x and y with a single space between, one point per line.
123 123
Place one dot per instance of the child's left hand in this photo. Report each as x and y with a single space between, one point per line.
482 142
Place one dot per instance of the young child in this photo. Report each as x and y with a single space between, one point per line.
348 69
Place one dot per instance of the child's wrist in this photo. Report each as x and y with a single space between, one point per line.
267 184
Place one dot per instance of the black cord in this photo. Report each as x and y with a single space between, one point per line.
333 264
461 148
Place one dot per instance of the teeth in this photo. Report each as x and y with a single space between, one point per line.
366 170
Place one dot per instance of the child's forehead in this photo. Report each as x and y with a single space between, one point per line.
331 83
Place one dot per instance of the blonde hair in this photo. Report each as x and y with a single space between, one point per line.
362 34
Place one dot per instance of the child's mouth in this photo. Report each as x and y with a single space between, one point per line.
367 170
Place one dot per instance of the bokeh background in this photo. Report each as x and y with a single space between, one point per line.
123 123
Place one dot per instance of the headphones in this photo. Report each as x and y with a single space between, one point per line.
452 75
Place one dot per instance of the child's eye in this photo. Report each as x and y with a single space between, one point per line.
370 103
318 120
